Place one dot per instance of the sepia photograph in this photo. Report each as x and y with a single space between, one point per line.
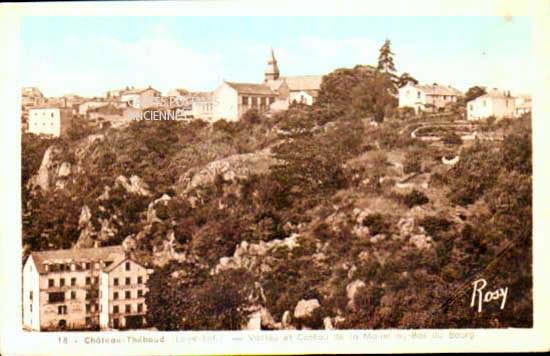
274 173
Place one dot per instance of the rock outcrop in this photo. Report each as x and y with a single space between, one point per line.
305 308
53 172
229 168
253 256
134 185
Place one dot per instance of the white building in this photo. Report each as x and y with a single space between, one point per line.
87 288
232 100
60 287
49 121
122 291
431 98
495 103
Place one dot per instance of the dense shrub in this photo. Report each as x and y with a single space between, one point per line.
452 139
415 198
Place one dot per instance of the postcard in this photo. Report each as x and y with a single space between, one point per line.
272 178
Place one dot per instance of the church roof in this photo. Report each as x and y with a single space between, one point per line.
251 88
304 82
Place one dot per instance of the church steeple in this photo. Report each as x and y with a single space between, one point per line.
272 70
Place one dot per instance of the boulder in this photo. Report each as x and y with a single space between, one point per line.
377 238
286 320
351 290
133 185
421 241
254 321
305 308
64 170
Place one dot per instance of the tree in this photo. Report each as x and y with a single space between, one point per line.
404 79
474 92
385 59
374 96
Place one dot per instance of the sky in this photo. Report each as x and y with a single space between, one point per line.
90 55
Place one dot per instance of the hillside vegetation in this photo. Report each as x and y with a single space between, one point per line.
316 217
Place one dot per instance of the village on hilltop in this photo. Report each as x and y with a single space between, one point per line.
52 116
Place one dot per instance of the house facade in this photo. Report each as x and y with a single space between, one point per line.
232 100
60 287
90 105
141 98
495 103
51 121
31 96
431 98
122 291
523 104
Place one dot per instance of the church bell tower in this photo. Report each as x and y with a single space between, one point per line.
272 70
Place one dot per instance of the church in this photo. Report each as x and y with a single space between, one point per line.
232 100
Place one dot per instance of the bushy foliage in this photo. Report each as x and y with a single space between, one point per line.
414 198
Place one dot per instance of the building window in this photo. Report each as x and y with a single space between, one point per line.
127 266
140 280
254 101
30 295
73 295
88 281
128 308
127 280
128 294
115 295
30 308
88 265
115 309
88 320
140 293
62 310
96 280
62 282
56 297
88 308
50 283
263 101
245 100
140 308
88 296
115 281
418 95
73 282
115 323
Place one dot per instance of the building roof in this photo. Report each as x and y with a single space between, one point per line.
496 94
112 253
436 89
304 82
49 107
114 265
137 90
251 88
